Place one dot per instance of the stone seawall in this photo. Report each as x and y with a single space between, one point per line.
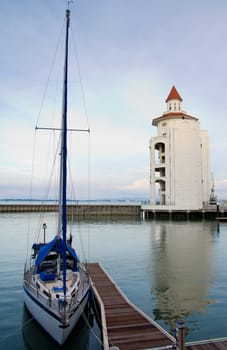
78 210
83 211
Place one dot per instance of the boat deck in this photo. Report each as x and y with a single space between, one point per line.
127 326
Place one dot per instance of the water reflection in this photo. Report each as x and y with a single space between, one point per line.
182 269
35 337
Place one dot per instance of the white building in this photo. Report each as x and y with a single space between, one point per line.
179 159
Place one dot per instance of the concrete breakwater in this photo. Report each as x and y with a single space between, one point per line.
211 212
77 210
105 210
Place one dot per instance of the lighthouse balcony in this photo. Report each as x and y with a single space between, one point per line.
163 192
159 178
160 172
159 166
160 161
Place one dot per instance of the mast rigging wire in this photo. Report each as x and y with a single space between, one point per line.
50 73
79 76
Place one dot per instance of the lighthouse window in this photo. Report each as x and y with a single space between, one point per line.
163 129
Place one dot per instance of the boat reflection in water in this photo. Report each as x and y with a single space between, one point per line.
182 270
35 337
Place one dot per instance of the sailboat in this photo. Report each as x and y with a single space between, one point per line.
56 283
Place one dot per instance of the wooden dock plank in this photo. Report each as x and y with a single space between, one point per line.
127 327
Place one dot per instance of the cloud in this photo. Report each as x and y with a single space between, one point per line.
219 146
221 184
139 185
128 73
111 190
107 138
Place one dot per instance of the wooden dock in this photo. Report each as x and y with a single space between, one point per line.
208 345
127 327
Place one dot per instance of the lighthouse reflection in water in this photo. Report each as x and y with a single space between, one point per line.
183 270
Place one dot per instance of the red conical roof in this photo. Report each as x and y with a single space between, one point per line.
174 95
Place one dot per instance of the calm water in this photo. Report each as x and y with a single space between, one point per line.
170 270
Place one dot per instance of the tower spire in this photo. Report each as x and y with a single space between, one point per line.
174 100
174 95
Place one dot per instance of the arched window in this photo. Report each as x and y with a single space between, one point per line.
160 195
159 153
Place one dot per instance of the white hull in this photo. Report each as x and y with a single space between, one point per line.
53 326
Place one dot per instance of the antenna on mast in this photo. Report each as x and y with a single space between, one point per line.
70 2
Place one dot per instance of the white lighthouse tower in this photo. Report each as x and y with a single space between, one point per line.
179 159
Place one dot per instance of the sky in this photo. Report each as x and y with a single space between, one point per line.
129 53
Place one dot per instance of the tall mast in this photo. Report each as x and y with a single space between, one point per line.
64 153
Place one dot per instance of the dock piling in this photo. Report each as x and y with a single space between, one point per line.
180 335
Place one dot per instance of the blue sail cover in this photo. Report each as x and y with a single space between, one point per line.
72 252
44 251
55 245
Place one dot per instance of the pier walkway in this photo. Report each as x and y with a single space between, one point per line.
127 327
208 345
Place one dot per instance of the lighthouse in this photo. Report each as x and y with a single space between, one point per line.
179 159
